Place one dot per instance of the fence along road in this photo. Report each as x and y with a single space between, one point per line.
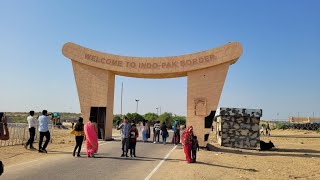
19 134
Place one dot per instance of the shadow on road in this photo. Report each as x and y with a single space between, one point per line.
123 158
296 136
138 158
59 152
274 152
229 167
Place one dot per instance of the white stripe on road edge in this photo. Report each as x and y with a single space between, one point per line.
103 143
161 162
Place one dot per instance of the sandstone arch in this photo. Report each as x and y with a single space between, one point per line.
206 72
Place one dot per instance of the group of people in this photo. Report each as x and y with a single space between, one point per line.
162 130
43 127
267 130
129 135
190 145
80 131
88 132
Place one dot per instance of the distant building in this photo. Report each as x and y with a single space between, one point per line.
304 119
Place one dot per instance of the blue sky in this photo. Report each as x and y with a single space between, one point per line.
278 70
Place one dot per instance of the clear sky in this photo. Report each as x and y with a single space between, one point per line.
278 71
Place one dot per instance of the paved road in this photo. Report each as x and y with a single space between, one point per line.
107 165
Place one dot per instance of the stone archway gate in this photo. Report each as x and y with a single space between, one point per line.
206 72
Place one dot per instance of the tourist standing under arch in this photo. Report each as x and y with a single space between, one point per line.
187 143
79 135
134 134
91 133
148 130
125 135
156 134
176 132
144 130
164 132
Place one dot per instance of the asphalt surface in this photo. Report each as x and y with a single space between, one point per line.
107 165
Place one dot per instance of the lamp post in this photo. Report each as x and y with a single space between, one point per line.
137 100
121 98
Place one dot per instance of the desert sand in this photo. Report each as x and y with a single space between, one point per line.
296 156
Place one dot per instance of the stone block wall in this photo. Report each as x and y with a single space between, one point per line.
238 128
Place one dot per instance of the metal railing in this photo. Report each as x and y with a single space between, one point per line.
19 134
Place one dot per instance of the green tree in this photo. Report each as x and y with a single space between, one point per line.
151 117
117 118
135 117
181 119
166 117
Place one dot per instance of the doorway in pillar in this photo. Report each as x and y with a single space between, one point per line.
99 113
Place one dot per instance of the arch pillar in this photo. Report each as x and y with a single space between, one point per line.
95 89
203 94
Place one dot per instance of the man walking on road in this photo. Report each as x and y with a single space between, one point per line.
156 132
32 121
44 131
125 135
176 132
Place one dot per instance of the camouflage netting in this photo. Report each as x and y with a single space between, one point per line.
301 126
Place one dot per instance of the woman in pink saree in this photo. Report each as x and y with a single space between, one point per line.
90 130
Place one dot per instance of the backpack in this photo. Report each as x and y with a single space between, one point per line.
174 127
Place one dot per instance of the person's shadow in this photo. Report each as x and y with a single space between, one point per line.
229 167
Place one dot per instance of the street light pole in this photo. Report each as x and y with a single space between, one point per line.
137 100
121 97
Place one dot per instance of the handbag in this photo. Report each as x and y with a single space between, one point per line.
73 132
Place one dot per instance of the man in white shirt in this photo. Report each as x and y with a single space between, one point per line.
44 131
32 122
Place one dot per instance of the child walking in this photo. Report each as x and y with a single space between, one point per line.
134 134
194 148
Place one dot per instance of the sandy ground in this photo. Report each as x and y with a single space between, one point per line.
62 141
297 156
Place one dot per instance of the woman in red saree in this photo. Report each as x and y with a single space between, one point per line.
187 142
90 130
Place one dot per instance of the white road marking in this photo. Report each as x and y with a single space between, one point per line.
160 163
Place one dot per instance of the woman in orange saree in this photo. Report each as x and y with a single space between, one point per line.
187 142
90 130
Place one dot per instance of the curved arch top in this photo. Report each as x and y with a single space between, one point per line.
153 67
